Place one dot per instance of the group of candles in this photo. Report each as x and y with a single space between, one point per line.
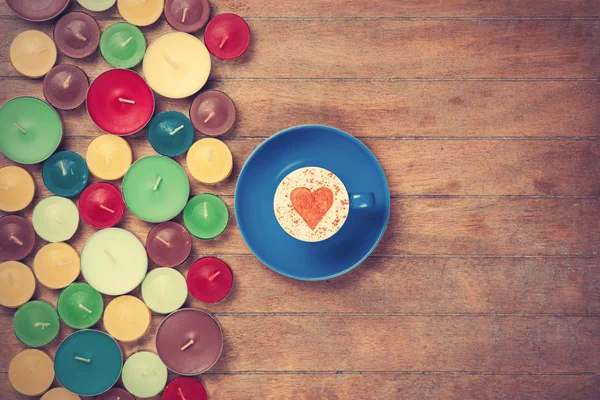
155 188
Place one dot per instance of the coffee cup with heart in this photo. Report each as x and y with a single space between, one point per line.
312 204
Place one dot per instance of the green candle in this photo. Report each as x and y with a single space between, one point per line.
55 219
164 290
144 374
156 188
123 45
31 130
206 216
36 323
80 305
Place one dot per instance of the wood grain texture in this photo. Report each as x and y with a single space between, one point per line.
392 49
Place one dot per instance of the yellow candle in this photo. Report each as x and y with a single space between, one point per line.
127 318
108 157
33 53
17 284
176 65
141 12
16 188
60 394
56 265
31 372
209 161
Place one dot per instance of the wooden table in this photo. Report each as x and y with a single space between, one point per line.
485 117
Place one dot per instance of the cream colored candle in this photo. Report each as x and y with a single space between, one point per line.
56 265
31 372
16 188
127 318
17 284
60 394
209 161
33 53
176 65
141 12
108 157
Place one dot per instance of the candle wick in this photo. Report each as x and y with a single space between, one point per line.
16 240
127 41
174 131
166 242
62 167
122 100
157 183
67 81
85 308
34 365
129 320
210 153
213 276
205 210
11 280
60 264
5 188
210 116
43 325
170 61
118 398
181 394
223 41
112 258
149 373
58 220
185 11
80 36
188 344
86 360
110 210
106 161
162 291
34 51
20 128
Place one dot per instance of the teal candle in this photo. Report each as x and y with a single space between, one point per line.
206 216
123 45
156 188
80 306
171 133
31 130
36 323
55 219
164 290
88 362
144 374
65 173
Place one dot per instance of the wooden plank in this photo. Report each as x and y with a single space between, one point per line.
387 343
384 386
386 109
392 49
409 286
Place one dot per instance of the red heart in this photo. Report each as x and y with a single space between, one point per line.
312 206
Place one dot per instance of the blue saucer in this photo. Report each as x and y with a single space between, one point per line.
311 146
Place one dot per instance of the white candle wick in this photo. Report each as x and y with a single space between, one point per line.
210 153
85 360
58 220
210 116
106 161
185 11
122 100
188 344
62 167
43 325
205 210
129 320
60 264
34 365
174 131
16 240
166 242
127 41
213 276
157 183
223 41
5 188
11 280
181 394
80 36
67 81
112 258
173 64
110 210
19 127
85 308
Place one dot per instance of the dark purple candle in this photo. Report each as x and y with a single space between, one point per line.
187 15
37 10
77 35
17 238
213 113
66 86
169 244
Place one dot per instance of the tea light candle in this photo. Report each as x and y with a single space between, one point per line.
210 161
55 219
126 318
56 265
65 173
60 394
213 113
209 279
164 290
187 15
108 157
36 323
32 10
80 306
65 87
206 216
88 362
31 130
176 65
185 388
170 133
227 36
97 5
32 54
17 284
156 188
144 374
77 35
189 341
30 372
113 261
17 188
141 13
168 244
120 102
123 45
101 205
116 394
17 237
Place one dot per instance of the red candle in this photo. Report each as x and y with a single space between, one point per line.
168 244
101 205
17 238
120 102
227 36
185 388
209 279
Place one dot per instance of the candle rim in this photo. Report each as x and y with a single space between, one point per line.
122 140
138 34
161 225
132 21
246 26
53 58
95 44
72 286
193 27
29 226
224 227
62 67
79 185
67 2
196 104
118 214
36 301
188 124
187 378
30 276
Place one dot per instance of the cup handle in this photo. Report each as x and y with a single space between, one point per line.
362 200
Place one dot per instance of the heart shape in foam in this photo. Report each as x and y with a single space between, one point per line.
312 206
